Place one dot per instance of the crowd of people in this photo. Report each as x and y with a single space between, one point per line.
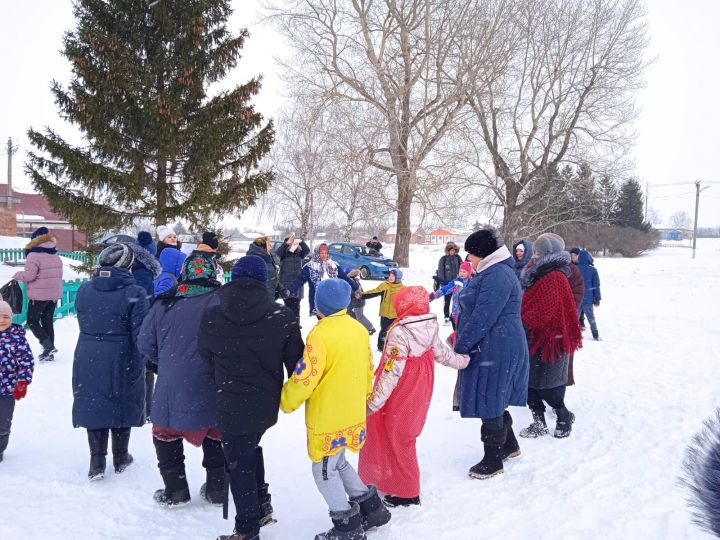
163 339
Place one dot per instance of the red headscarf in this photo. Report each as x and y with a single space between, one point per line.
410 301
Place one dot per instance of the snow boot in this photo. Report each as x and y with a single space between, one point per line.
213 490
373 511
98 442
392 501
176 492
254 535
121 457
565 420
347 525
492 463
511 448
596 335
538 428
266 509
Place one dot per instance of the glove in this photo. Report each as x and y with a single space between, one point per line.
596 303
431 297
20 390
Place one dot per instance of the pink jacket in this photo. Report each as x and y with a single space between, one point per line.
412 336
43 271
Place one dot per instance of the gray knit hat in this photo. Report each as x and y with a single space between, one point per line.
548 243
119 255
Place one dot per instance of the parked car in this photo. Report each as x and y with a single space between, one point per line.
372 264
115 239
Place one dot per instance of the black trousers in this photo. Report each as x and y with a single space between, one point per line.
446 306
7 408
149 388
246 467
555 397
384 327
40 320
294 305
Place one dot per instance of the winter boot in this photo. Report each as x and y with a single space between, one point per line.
595 335
254 535
121 457
511 448
347 525
373 511
392 501
266 509
565 420
213 490
98 442
491 464
176 492
538 428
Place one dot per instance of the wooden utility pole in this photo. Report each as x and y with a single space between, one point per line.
10 151
697 207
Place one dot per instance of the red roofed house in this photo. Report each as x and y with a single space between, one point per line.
441 236
33 211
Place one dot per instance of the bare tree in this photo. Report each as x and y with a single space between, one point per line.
564 94
680 220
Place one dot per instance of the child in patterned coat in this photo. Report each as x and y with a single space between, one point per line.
454 287
16 369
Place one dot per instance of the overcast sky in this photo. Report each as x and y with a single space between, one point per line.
677 131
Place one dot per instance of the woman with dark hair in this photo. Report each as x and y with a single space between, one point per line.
553 332
261 248
491 332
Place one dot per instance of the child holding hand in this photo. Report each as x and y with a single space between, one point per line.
387 289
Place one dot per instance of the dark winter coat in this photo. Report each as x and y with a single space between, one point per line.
520 264
184 396
577 284
272 272
251 340
374 244
491 332
590 277
448 268
108 371
145 268
291 263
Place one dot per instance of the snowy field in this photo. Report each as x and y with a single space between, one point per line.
641 393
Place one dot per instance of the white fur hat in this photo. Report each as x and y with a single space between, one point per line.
163 231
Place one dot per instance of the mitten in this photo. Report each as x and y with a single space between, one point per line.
596 303
20 390
431 296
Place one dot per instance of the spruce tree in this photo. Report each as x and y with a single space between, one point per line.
607 196
629 209
156 144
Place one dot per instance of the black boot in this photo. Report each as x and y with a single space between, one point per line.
213 490
98 441
176 492
595 335
511 448
491 464
121 457
347 525
392 501
372 509
565 420
266 509
538 428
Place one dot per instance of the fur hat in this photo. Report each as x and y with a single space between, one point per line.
5 308
548 243
451 245
398 274
484 242
332 295
467 267
39 232
575 250
210 239
119 255
145 240
250 266
163 231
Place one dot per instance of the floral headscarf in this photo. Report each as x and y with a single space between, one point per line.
198 275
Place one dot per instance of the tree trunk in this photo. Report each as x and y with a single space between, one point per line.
161 192
403 232
512 215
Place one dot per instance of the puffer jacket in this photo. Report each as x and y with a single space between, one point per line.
387 290
590 277
16 359
411 338
43 269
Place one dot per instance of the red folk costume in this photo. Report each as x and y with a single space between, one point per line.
401 395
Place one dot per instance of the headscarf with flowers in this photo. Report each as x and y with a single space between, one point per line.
198 275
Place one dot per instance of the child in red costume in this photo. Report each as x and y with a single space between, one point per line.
398 405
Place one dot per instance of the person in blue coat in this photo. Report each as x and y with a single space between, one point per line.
184 399
522 253
146 266
592 296
108 378
171 261
490 330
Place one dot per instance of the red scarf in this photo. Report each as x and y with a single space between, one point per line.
550 317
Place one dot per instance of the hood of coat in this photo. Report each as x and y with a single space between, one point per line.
584 257
146 259
245 301
521 263
171 261
45 242
110 278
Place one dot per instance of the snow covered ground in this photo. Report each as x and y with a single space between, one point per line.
640 395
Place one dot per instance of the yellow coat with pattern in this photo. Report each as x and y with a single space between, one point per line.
334 379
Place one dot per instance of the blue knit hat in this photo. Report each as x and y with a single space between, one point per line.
332 295
39 232
145 240
575 250
250 266
398 274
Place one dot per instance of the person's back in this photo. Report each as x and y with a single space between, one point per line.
590 277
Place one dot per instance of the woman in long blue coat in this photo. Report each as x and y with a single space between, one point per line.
108 371
490 330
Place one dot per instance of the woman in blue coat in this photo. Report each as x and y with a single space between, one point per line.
183 406
490 330
108 371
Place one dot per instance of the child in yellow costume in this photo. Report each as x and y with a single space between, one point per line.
334 378
387 290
